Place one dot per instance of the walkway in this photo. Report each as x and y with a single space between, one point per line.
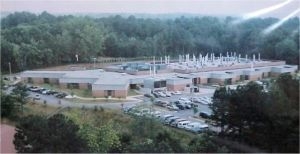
7 137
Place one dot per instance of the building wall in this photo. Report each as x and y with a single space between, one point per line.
255 77
63 85
218 81
83 86
115 93
120 93
175 87
54 81
203 80
38 80
274 74
98 93
235 79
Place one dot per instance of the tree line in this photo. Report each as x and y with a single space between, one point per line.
30 40
265 119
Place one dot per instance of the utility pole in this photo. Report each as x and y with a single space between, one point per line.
9 70
94 63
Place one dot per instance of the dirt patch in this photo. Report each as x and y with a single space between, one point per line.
7 137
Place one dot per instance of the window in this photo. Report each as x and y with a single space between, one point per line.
242 77
30 80
246 77
109 92
73 85
159 84
89 86
46 80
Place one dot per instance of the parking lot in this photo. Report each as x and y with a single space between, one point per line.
167 104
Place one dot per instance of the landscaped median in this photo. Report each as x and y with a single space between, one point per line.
130 98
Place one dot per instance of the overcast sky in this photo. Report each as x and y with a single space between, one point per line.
204 7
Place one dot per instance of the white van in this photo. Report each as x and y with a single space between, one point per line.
163 118
174 123
196 127
167 121
182 124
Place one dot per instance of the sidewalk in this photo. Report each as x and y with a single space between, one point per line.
129 98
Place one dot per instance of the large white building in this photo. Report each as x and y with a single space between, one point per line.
176 76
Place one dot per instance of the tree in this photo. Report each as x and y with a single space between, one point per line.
20 92
100 140
7 105
267 120
58 134
205 144
219 107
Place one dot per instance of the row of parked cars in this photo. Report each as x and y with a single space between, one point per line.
163 93
45 91
167 119
203 100
181 104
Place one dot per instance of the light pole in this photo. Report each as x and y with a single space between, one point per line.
9 66
94 62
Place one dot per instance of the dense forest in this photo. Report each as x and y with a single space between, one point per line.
268 120
30 41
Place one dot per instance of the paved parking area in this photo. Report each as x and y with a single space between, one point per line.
186 113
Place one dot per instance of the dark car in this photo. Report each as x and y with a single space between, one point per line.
155 95
61 95
148 95
51 92
40 90
181 107
204 115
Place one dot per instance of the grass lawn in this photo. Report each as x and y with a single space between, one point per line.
40 109
132 92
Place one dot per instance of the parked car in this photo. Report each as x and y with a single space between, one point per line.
163 118
61 95
183 99
161 103
162 94
34 89
188 106
40 90
172 107
196 127
45 92
52 92
167 121
175 122
181 107
176 93
168 94
182 124
36 97
205 102
148 95
156 95
204 115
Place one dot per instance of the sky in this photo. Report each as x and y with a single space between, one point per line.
203 7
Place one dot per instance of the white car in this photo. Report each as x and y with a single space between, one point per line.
162 94
177 93
183 99
182 124
36 97
168 94
172 107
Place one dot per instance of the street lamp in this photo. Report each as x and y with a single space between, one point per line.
9 66
94 62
